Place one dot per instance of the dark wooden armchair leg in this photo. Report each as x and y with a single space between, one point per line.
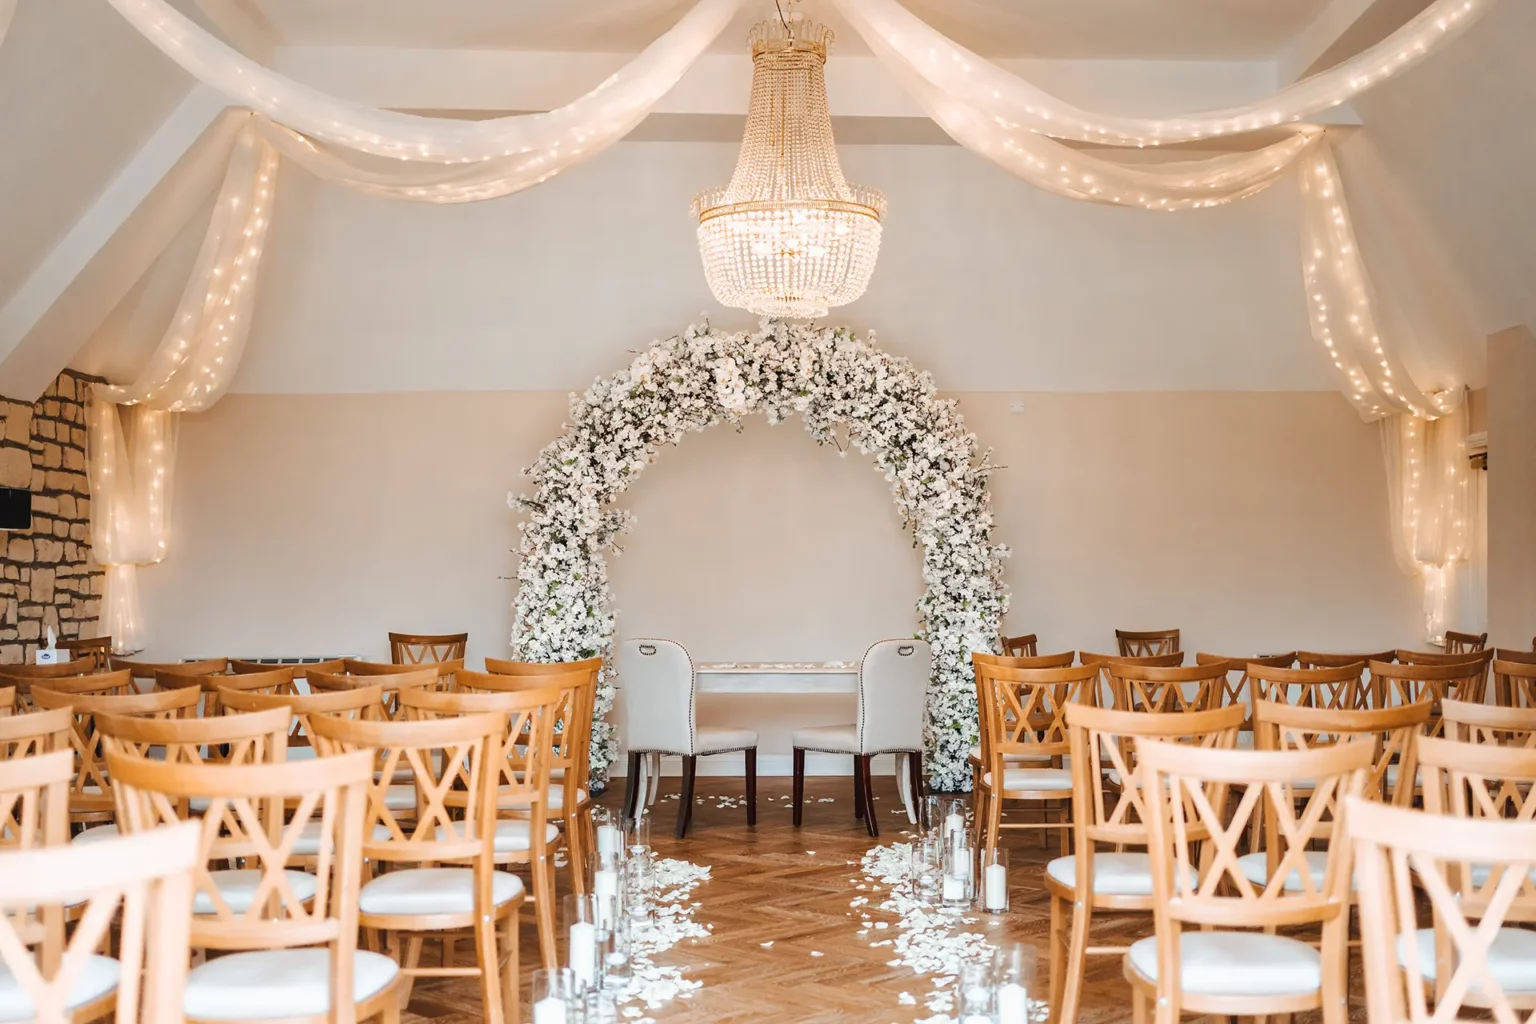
868 785
751 786
685 800
858 790
919 786
797 803
632 785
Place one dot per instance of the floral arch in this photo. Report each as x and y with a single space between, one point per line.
833 380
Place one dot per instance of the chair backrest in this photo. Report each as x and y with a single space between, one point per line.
1488 723
38 732
359 667
22 675
1514 683
1405 684
426 648
1337 688
141 884
260 737
1222 794
393 683
1395 732
1027 709
984 696
1105 741
94 683
93 649
1406 657
1316 659
659 687
451 763
1478 780
1104 695
240 668
893 695
1403 857
1150 688
1237 688
1144 643
1026 646
91 791
367 702
34 813
146 669
256 814
1514 654
574 720
1461 643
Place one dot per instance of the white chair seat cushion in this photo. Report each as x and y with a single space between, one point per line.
1511 958
1114 874
557 798
1222 963
1255 868
714 739
831 739
424 891
1025 779
975 755
400 797
304 753
98 977
308 843
96 834
238 888
272 984
512 834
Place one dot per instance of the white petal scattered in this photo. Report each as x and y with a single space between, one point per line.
817 952
766 945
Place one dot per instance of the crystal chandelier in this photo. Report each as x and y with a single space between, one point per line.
789 236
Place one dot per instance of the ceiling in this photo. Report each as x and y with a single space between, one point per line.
1173 29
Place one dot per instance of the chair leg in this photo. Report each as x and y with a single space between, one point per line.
685 800
1077 957
916 787
751 787
653 775
858 789
1058 947
799 785
632 784
510 996
543 871
994 820
576 850
410 959
490 977
871 820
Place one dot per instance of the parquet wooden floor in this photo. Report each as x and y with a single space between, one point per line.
765 886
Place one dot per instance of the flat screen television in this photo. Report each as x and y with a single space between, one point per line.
15 508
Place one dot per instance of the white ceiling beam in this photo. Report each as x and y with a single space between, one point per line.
120 235
1342 29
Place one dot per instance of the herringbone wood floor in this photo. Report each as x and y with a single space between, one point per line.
766 886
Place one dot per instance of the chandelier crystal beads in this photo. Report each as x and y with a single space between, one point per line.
789 236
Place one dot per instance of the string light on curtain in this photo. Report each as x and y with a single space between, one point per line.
789 236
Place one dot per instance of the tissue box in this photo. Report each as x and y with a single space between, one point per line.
51 657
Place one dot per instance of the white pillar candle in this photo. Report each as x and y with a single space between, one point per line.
953 825
1012 1004
995 887
549 1010
583 953
954 888
610 841
605 892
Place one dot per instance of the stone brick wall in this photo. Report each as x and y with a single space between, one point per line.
48 578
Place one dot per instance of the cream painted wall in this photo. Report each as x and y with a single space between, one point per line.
314 524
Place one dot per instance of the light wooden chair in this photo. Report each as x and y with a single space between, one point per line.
1405 684
96 650
23 676
1201 803
1114 880
524 834
289 938
365 703
447 756
1476 957
277 680
1337 689
90 796
240 668
95 683
1104 693
392 683
1147 643
1150 688
145 670
1514 683
1026 646
1316 659
1462 643
1026 715
978 757
1394 733
7 700
426 648
1488 723
37 732
1238 688
570 802
141 885
1515 654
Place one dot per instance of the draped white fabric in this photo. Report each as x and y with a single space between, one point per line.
1431 506
132 445
910 44
528 148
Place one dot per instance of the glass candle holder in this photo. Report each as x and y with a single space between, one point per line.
957 884
614 950
994 881
927 868
607 877
579 919
639 888
609 834
555 999
975 991
1013 972
944 814
637 835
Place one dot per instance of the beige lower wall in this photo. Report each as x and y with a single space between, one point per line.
314 524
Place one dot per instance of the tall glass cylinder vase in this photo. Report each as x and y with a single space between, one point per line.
608 834
555 998
1013 974
993 885
579 921
958 888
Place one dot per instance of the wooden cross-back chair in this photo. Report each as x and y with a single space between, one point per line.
1515 654
1202 802
1462 643
145 670
90 796
1488 723
240 668
95 683
1337 689
1394 733
1146 643
1093 878
1104 693
1026 646
256 737
452 823
1475 957
21 677
364 702
140 887
275 680
426 648
392 683
1237 687
1026 715
570 801
524 834
37 732
978 755
1514 683
1151 688
289 937
1405 684
95 650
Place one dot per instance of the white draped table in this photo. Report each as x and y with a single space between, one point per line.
777 676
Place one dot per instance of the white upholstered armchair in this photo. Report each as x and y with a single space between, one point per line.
893 696
660 692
